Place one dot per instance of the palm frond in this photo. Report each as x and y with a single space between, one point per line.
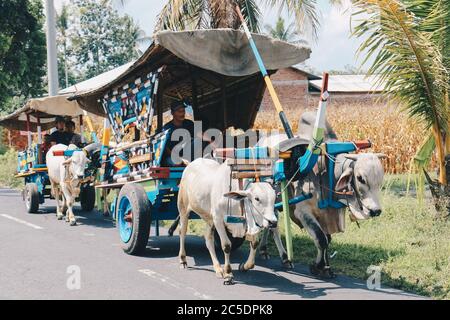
406 61
180 15
251 13
305 13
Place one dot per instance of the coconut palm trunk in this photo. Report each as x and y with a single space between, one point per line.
223 14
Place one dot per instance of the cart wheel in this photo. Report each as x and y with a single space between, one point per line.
87 198
31 197
235 242
133 218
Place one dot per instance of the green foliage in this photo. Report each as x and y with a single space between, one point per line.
281 31
8 169
22 50
203 14
100 39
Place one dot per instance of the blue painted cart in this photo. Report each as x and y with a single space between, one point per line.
35 117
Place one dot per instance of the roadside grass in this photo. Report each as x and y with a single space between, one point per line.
8 166
410 243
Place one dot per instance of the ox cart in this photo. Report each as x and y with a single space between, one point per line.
36 116
216 74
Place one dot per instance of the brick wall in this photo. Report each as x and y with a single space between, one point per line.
291 86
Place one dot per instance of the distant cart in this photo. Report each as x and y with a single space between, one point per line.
37 116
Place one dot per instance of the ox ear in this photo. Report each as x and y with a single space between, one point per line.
344 180
381 155
67 162
237 195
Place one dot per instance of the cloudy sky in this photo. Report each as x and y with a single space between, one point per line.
334 49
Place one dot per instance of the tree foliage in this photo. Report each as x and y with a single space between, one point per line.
197 14
22 51
280 31
100 38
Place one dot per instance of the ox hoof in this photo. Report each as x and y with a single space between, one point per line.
325 273
59 217
183 265
242 267
229 281
73 223
287 264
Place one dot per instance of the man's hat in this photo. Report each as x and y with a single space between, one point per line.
177 105
59 119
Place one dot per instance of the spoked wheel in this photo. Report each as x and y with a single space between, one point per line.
31 197
235 242
133 218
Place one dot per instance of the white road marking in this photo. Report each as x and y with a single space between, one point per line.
166 280
7 216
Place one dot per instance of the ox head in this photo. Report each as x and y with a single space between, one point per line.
364 177
260 205
76 165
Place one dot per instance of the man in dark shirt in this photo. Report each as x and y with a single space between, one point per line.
71 136
179 121
59 136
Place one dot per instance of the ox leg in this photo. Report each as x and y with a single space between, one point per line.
57 195
250 264
320 267
226 247
263 250
70 217
184 218
281 250
209 239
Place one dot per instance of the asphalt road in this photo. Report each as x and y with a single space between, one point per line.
40 256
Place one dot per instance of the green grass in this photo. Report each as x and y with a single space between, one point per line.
411 244
8 165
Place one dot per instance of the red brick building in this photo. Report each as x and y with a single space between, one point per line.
297 88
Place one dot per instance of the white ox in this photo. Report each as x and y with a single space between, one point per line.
66 176
205 190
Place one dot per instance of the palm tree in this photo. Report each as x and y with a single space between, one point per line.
281 32
410 42
196 14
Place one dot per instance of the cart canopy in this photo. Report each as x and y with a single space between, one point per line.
214 70
47 108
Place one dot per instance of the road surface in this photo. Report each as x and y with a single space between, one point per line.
42 258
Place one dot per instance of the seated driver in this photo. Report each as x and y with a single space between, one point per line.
179 121
71 136
59 136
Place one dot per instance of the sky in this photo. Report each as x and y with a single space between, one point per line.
333 50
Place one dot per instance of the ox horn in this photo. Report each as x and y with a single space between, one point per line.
381 155
353 157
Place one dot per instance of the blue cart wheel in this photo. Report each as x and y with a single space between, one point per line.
31 197
133 214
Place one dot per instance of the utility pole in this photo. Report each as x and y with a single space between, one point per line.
52 62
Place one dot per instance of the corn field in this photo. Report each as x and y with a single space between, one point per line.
389 129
